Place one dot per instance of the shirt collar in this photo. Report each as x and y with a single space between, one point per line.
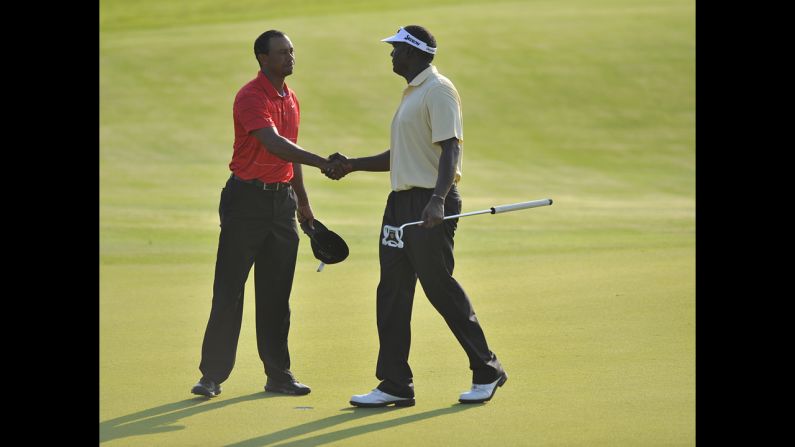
423 75
270 90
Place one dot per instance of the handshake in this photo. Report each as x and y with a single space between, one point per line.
337 167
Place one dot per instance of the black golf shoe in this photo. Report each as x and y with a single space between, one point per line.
293 388
206 387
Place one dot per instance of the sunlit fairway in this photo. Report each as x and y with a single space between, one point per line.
589 303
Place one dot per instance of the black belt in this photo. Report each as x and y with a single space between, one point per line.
263 186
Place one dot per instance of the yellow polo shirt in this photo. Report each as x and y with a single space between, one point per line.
429 113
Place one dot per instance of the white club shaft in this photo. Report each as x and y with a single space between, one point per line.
494 210
520 206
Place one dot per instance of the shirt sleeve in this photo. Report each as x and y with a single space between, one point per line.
252 113
444 112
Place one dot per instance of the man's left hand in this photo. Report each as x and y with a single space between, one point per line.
433 214
305 214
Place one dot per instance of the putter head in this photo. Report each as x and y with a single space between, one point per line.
327 246
393 236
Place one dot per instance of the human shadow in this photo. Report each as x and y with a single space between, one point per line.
161 419
351 413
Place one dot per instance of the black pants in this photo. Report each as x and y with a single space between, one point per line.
428 256
257 228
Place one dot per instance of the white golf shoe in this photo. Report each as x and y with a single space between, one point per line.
482 392
378 398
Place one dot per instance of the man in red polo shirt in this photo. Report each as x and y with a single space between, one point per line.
257 211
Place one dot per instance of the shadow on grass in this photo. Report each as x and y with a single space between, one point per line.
351 414
161 419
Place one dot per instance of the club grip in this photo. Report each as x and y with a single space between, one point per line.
520 206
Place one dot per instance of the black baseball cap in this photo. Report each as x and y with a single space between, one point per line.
327 246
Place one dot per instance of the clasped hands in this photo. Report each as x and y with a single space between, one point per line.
338 166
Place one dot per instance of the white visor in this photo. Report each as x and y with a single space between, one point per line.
405 37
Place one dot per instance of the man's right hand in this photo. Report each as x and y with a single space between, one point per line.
329 168
342 166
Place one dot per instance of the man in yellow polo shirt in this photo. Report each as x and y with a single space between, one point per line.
424 161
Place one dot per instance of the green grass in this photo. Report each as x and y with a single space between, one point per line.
590 303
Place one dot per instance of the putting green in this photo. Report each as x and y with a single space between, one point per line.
589 303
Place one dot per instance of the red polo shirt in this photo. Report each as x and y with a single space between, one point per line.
258 105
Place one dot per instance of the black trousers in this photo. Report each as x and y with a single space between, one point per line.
428 256
257 228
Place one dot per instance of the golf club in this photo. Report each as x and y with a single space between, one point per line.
393 236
